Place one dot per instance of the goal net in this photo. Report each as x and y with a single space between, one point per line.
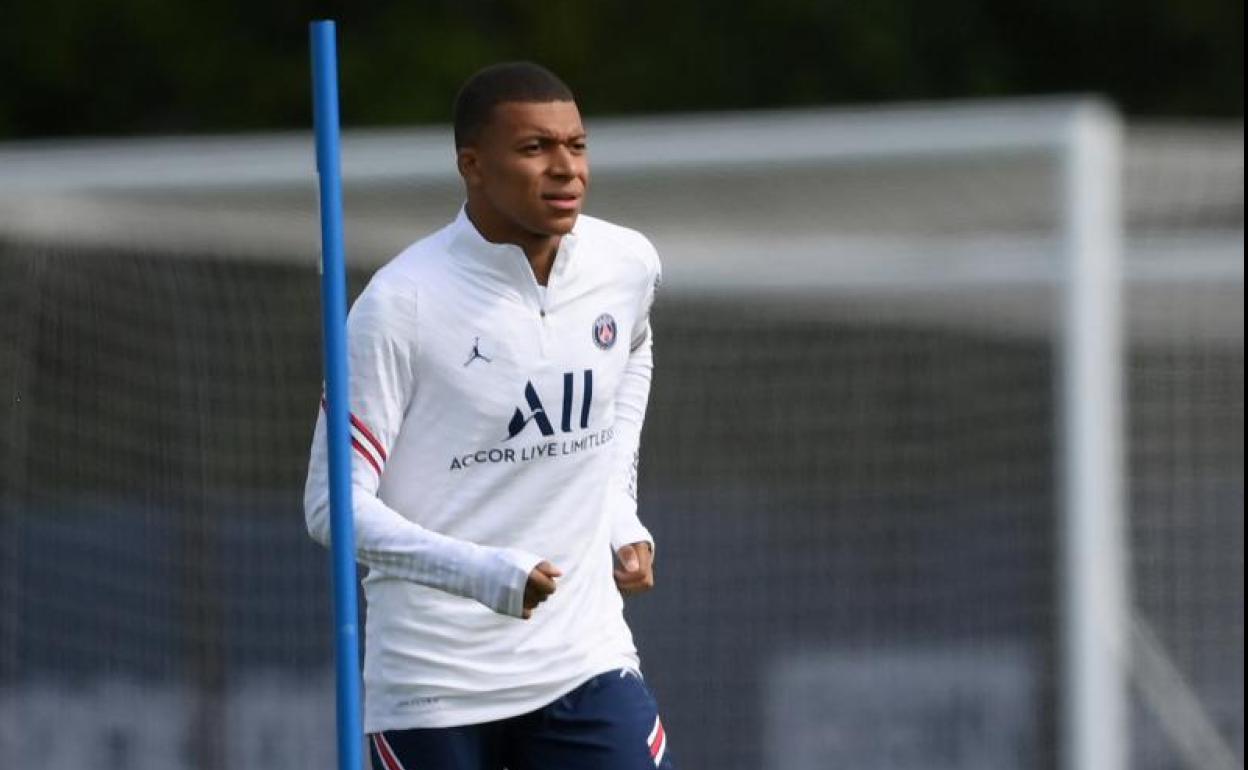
858 462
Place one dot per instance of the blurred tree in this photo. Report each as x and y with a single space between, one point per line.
142 66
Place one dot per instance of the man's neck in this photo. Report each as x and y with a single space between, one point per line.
540 250
541 262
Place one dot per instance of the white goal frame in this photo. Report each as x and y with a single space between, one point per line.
1083 138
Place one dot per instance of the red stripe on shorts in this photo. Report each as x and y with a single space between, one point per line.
656 745
385 752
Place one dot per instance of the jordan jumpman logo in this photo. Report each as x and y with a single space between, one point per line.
476 352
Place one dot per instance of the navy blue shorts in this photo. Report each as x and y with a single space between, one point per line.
610 722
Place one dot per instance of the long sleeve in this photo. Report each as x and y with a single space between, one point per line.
630 414
381 339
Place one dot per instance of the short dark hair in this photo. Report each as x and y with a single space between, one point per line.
515 81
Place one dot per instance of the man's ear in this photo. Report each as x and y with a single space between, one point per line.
469 164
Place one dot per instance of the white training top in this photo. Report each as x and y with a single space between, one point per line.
494 425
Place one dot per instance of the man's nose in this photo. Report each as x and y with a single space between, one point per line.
562 162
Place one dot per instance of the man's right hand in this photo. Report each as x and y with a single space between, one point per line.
541 585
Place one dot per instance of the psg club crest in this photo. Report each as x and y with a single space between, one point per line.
604 331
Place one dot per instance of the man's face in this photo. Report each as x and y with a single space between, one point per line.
530 169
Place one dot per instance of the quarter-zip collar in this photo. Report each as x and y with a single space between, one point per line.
468 240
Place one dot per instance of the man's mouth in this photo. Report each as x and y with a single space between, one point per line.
564 201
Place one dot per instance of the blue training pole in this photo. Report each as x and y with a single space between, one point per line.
337 411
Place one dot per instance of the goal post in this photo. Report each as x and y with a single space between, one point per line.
1095 610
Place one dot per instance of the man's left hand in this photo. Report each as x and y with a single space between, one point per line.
634 571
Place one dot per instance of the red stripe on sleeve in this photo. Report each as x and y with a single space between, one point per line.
359 424
368 436
366 454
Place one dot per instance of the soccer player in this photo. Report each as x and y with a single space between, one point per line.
500 370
